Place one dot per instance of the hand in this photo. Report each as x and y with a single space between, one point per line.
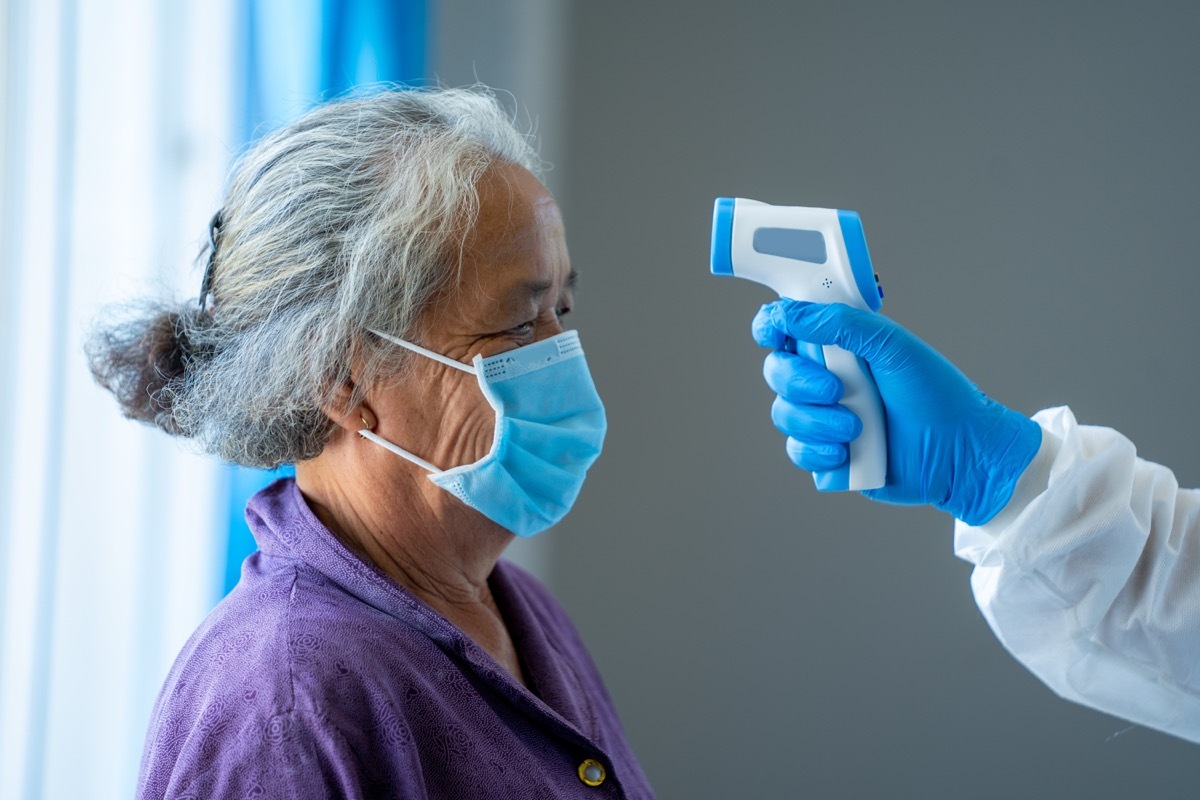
948 444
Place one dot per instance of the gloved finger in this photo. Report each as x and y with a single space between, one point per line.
800 379
813 423
817 457
765 331
863 333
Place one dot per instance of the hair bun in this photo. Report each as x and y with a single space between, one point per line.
144 359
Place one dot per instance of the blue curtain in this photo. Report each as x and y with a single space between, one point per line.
295 54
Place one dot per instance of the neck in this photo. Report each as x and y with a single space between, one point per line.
391 516
426 540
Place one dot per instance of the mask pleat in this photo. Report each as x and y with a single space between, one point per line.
550 430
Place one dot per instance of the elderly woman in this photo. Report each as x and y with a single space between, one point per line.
383 308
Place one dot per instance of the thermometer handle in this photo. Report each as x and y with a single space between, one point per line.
866 468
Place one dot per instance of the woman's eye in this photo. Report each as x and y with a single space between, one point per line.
527 328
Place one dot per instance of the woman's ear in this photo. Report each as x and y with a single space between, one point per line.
347 406
347 415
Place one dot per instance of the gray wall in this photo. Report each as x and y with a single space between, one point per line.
1025 173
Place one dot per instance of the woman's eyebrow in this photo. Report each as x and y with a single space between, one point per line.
535 289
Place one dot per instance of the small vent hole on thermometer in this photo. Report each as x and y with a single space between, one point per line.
828 284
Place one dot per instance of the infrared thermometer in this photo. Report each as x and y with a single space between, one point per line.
819 255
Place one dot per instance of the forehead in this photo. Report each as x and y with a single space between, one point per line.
518 235
515 210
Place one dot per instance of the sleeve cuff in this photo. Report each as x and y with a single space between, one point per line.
972 542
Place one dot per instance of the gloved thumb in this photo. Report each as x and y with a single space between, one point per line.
863 333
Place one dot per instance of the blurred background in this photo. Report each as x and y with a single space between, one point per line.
1025 172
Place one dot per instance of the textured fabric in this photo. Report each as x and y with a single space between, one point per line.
1090 576
319 677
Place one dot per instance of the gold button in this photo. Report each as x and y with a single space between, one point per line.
592 772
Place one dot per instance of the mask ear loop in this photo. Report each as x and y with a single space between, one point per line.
398 450
416 348
370 435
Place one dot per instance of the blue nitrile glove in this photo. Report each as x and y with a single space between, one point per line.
948 444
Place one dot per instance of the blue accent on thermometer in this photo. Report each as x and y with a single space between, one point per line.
722 236
860 259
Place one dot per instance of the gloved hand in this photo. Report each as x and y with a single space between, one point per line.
947 443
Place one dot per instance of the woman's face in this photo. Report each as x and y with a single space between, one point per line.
516 284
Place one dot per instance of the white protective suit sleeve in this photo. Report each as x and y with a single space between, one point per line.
1090 576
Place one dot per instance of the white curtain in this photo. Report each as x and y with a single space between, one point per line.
115 135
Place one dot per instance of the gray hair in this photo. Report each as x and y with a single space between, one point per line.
352 217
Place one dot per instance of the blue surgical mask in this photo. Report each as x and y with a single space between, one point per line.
549 429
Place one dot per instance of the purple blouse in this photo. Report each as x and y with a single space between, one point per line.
320 677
